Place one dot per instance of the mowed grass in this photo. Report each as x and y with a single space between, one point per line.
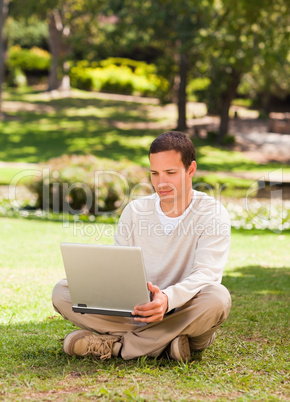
249 360
7 174
38 128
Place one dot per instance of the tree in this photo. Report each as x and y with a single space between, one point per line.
171 26
3 14
58 33
242 36
65 19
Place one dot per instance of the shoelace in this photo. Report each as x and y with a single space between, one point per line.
101 347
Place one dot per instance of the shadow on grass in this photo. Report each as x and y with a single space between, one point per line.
38 136
82 125
35 349
222 159
260 299
259 304
36 141
255 279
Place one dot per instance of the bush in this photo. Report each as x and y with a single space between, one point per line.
227 139
119 76
28 60
87 185
197 89
27 32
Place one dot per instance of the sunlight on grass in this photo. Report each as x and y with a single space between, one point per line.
248 360
7 174
88 111
82 123
219 158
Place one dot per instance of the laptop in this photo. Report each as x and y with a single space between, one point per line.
105 279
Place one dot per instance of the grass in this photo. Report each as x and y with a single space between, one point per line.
73 126
7 174
249 360
40 128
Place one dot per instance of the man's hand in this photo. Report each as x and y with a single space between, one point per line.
155 310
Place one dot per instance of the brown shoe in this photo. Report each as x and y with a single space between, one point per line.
83 343
199 348
179 349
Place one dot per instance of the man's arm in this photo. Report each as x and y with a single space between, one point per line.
210 258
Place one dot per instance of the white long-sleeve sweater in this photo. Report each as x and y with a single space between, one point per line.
192 256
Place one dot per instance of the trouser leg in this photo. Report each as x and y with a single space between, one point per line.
199 318
103 324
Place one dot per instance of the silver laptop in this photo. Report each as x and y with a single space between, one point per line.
105 279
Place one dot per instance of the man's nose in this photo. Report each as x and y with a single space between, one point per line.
162 180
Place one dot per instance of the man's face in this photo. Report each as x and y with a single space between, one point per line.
171 180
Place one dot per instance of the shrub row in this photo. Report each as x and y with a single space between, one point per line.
87 185
119 76
115 74
28 60
260 214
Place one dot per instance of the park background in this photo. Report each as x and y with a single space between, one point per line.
86 86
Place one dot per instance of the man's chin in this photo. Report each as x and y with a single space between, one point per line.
167 198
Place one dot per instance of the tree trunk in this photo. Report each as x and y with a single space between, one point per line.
57 50
181 102
3 15
226 100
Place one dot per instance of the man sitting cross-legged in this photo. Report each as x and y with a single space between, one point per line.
185 239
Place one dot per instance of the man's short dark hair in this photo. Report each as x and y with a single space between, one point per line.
176 141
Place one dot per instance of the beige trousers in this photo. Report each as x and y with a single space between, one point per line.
199 318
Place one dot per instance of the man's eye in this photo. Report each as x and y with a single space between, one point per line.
153 173
171 172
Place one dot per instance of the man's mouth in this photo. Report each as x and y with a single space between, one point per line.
164 192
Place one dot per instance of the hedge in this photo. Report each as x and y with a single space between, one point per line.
87 185
28 60
119 76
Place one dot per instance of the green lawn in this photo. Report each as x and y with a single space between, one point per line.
42 128
38 128
248 362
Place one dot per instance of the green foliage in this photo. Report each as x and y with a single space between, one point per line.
227 139
16 78
87 185
253 215
28 60
247 42
27 33
244 102
197 89
120 76
170 26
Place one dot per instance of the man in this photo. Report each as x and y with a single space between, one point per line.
185 239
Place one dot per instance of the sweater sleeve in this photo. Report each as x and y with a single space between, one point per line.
210 257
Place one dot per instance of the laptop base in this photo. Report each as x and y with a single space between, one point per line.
92 310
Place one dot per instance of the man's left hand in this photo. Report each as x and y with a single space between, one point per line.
155 310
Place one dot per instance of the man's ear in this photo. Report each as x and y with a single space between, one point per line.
192 169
